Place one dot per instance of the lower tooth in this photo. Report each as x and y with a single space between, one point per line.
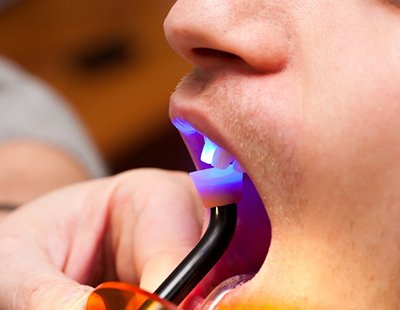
222 158
237 167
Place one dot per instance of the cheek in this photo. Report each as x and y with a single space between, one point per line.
270 133
358 125
352 108
350 78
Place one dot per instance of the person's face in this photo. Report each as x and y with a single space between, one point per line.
306 96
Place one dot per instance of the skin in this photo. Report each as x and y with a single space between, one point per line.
61 245
305 95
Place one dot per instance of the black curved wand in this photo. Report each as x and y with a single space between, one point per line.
203 257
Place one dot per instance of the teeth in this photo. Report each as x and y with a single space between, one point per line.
237 167
208 152
222 158
219 158
211 154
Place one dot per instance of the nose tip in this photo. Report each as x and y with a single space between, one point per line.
209 33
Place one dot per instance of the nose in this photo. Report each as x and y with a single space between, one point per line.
209 33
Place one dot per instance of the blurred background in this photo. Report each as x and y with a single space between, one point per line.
110 60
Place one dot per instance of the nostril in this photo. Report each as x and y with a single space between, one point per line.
213 53
210 58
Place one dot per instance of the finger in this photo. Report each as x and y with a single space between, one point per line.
29 283
39 246
159 226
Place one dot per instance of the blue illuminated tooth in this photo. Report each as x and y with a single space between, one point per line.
208 152
222 158
237 167
216 156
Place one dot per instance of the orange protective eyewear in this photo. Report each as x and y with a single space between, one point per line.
123 296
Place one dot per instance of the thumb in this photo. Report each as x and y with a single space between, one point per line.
160 266
167 223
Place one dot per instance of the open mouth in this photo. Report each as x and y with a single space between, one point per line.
248 249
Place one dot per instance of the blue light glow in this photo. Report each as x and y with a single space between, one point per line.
218 187
183 126
208 152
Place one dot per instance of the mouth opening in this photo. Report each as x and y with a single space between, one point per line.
248 249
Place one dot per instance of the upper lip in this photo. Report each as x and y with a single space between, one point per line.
197 116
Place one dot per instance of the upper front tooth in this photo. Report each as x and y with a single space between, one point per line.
222 158
208 152
214 155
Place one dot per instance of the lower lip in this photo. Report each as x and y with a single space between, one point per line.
214 298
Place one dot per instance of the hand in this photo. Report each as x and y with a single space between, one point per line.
134 227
